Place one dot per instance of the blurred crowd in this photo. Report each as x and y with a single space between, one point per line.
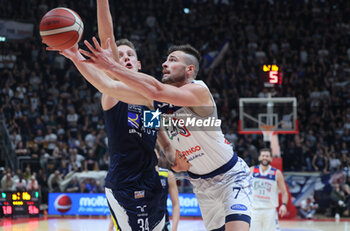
54 116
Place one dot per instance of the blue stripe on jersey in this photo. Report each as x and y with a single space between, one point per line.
130 146
218 171
271 175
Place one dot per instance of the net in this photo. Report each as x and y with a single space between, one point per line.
267 131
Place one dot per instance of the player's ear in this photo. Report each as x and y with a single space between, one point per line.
138 65
190 69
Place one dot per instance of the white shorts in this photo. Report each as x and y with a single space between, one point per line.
264 220
225 197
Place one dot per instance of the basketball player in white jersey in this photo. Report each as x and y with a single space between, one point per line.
267 181
221 180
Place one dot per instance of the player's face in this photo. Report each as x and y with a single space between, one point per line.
128 58
265 158
174 68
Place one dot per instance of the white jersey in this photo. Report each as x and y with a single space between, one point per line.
265 190
204 147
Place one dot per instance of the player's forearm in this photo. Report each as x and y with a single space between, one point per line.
104 21
105 26
92 75
285 197
175 216
146 85
165 145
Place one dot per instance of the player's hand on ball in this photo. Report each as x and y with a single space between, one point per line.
181 163
99 57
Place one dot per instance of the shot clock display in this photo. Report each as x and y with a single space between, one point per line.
24 203
271 75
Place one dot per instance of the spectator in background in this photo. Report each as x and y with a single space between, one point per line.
320 161
308 208
27 173
33 183
73 186
21 150
50 140
54 181
21 184
90 139
7 183
90 162
334 163
338 201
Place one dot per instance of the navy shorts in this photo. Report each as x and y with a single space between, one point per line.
135 208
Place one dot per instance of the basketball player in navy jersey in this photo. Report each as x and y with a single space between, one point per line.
221 180
133 186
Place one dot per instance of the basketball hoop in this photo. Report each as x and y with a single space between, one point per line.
267 131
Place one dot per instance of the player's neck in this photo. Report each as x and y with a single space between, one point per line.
264 168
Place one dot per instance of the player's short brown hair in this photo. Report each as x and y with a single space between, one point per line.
125 42
190 50
266 150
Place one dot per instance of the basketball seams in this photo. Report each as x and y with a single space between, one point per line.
74 27
75 35
77 21
57 16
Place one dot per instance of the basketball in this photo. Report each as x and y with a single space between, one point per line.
61 28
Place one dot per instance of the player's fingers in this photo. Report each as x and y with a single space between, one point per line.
87 61
86 53
96 43
91 48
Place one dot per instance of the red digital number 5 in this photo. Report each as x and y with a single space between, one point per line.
273 77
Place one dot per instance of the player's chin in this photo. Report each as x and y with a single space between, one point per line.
166 79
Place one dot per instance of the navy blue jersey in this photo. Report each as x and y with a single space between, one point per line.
130 146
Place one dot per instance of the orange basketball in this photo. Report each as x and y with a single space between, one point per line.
61 28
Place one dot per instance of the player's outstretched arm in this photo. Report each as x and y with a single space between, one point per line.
282 187
101 81
187 95
174 196
105 26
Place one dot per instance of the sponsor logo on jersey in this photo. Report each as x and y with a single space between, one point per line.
191 150
262 185
133 120
163 182
239 207
141 207
139 194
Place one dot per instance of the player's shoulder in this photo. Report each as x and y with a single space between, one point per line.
195 84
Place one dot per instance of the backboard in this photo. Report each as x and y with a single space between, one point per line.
260 114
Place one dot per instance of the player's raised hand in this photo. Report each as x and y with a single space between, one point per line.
99 57
181 163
